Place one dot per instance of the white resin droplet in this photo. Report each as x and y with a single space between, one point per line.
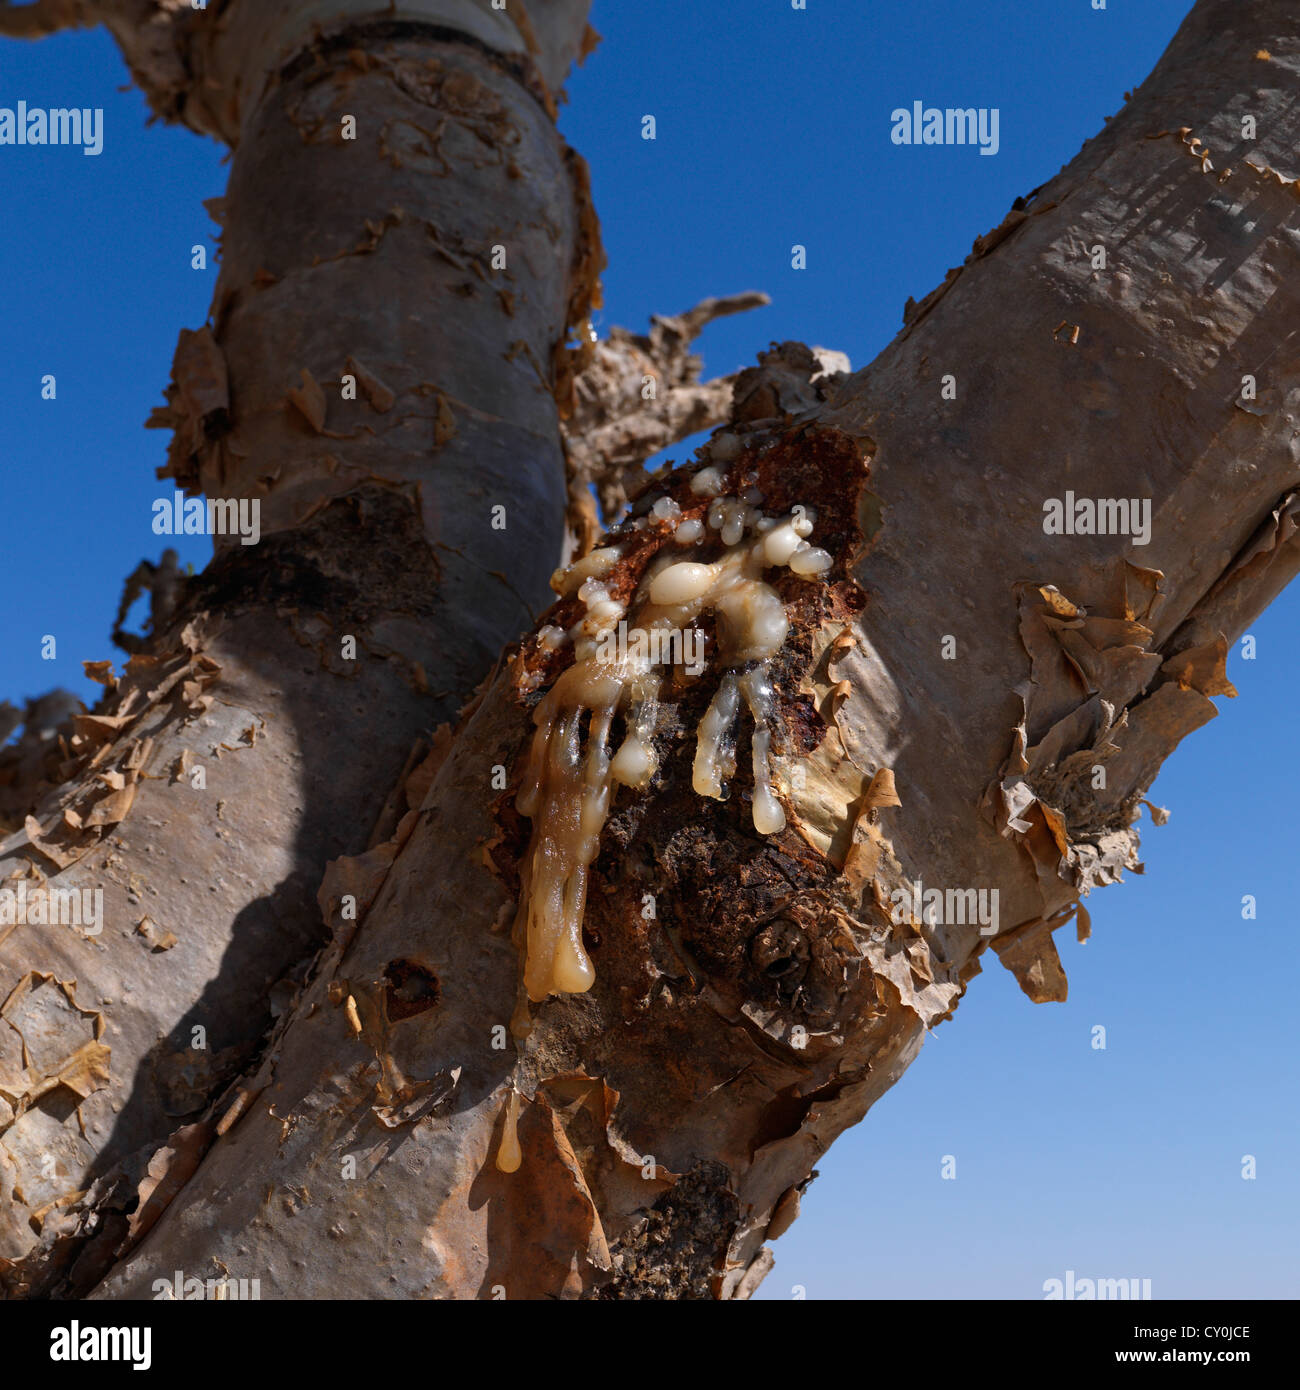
754 622
707 482
633 763
809 562
769 817
681 583
593 566
603 611
572 972
706 775
780 543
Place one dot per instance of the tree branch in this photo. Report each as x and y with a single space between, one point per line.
45 17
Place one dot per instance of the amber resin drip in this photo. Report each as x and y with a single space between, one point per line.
619 655
509 1155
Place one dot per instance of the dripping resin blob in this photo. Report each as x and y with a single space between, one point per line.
716 566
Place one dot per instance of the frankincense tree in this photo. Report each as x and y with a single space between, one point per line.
553 952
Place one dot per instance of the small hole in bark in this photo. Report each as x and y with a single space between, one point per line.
779 950
411 989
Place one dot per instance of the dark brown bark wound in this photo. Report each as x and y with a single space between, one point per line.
363 561
679 1248
719 887
331 565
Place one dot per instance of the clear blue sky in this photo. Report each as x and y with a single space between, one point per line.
773 128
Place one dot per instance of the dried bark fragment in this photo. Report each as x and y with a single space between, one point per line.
614 427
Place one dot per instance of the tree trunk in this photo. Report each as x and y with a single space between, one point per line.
299 675
964 699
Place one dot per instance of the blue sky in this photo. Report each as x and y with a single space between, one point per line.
773 129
